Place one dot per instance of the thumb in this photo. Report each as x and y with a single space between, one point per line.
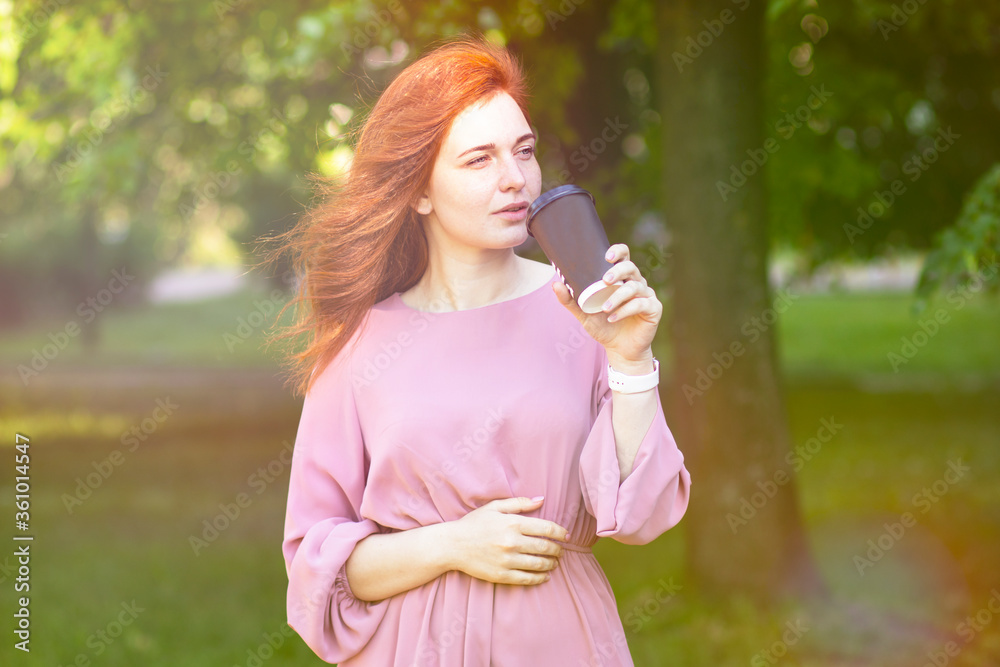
566 299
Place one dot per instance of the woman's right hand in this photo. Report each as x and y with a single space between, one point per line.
495 544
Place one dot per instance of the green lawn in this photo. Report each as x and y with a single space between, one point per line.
130 539
226 332
844 334
821 335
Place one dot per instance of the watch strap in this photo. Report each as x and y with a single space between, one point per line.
633 384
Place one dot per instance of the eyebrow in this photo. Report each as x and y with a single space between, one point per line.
490 147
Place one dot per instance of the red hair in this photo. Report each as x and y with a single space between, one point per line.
364 241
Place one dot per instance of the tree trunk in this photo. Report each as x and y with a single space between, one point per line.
90 266
728 411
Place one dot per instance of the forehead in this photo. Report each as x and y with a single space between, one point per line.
495 120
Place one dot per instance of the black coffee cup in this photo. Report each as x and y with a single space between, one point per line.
565 223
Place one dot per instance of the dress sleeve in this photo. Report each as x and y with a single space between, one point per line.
323 522
654 496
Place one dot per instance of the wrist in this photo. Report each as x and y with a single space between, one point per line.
444 538
641 366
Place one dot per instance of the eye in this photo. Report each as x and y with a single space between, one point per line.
527 151
478 160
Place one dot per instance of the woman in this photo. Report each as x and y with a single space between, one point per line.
460 449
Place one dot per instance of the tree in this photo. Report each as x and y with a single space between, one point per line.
95 156
115 141
967 254
743 525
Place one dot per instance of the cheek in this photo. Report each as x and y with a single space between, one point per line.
476 190
533 176
454 192
462 198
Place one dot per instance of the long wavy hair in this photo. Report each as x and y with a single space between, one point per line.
364 241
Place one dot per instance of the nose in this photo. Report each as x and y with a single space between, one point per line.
512 176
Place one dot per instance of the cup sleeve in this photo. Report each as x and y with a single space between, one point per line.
323 522
654 496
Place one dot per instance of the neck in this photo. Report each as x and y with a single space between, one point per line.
461 281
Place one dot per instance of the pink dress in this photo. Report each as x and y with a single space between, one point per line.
432 415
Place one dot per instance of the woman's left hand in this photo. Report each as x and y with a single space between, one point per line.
625 329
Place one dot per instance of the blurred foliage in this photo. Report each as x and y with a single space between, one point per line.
898 79
145 134
969 252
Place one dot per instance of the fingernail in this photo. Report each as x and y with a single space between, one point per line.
537 498
609 254
607 276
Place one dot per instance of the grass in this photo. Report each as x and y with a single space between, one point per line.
892 446
227 332
820 335
847 334
130 539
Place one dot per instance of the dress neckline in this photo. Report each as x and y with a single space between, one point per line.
402 304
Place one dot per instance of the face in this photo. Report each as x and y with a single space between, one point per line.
484 177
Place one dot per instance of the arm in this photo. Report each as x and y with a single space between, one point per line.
631 473
637 507
387 564
323 521
632 414
491 543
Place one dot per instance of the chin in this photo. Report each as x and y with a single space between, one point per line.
520 236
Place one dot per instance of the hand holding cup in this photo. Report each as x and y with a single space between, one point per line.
615 304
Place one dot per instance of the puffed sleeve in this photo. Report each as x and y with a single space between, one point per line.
323 523
654 496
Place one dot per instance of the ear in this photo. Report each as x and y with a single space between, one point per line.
423 205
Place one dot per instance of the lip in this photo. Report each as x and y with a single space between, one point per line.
516 211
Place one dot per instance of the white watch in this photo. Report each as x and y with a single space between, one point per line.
633 384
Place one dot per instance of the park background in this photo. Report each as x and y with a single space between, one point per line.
818 182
